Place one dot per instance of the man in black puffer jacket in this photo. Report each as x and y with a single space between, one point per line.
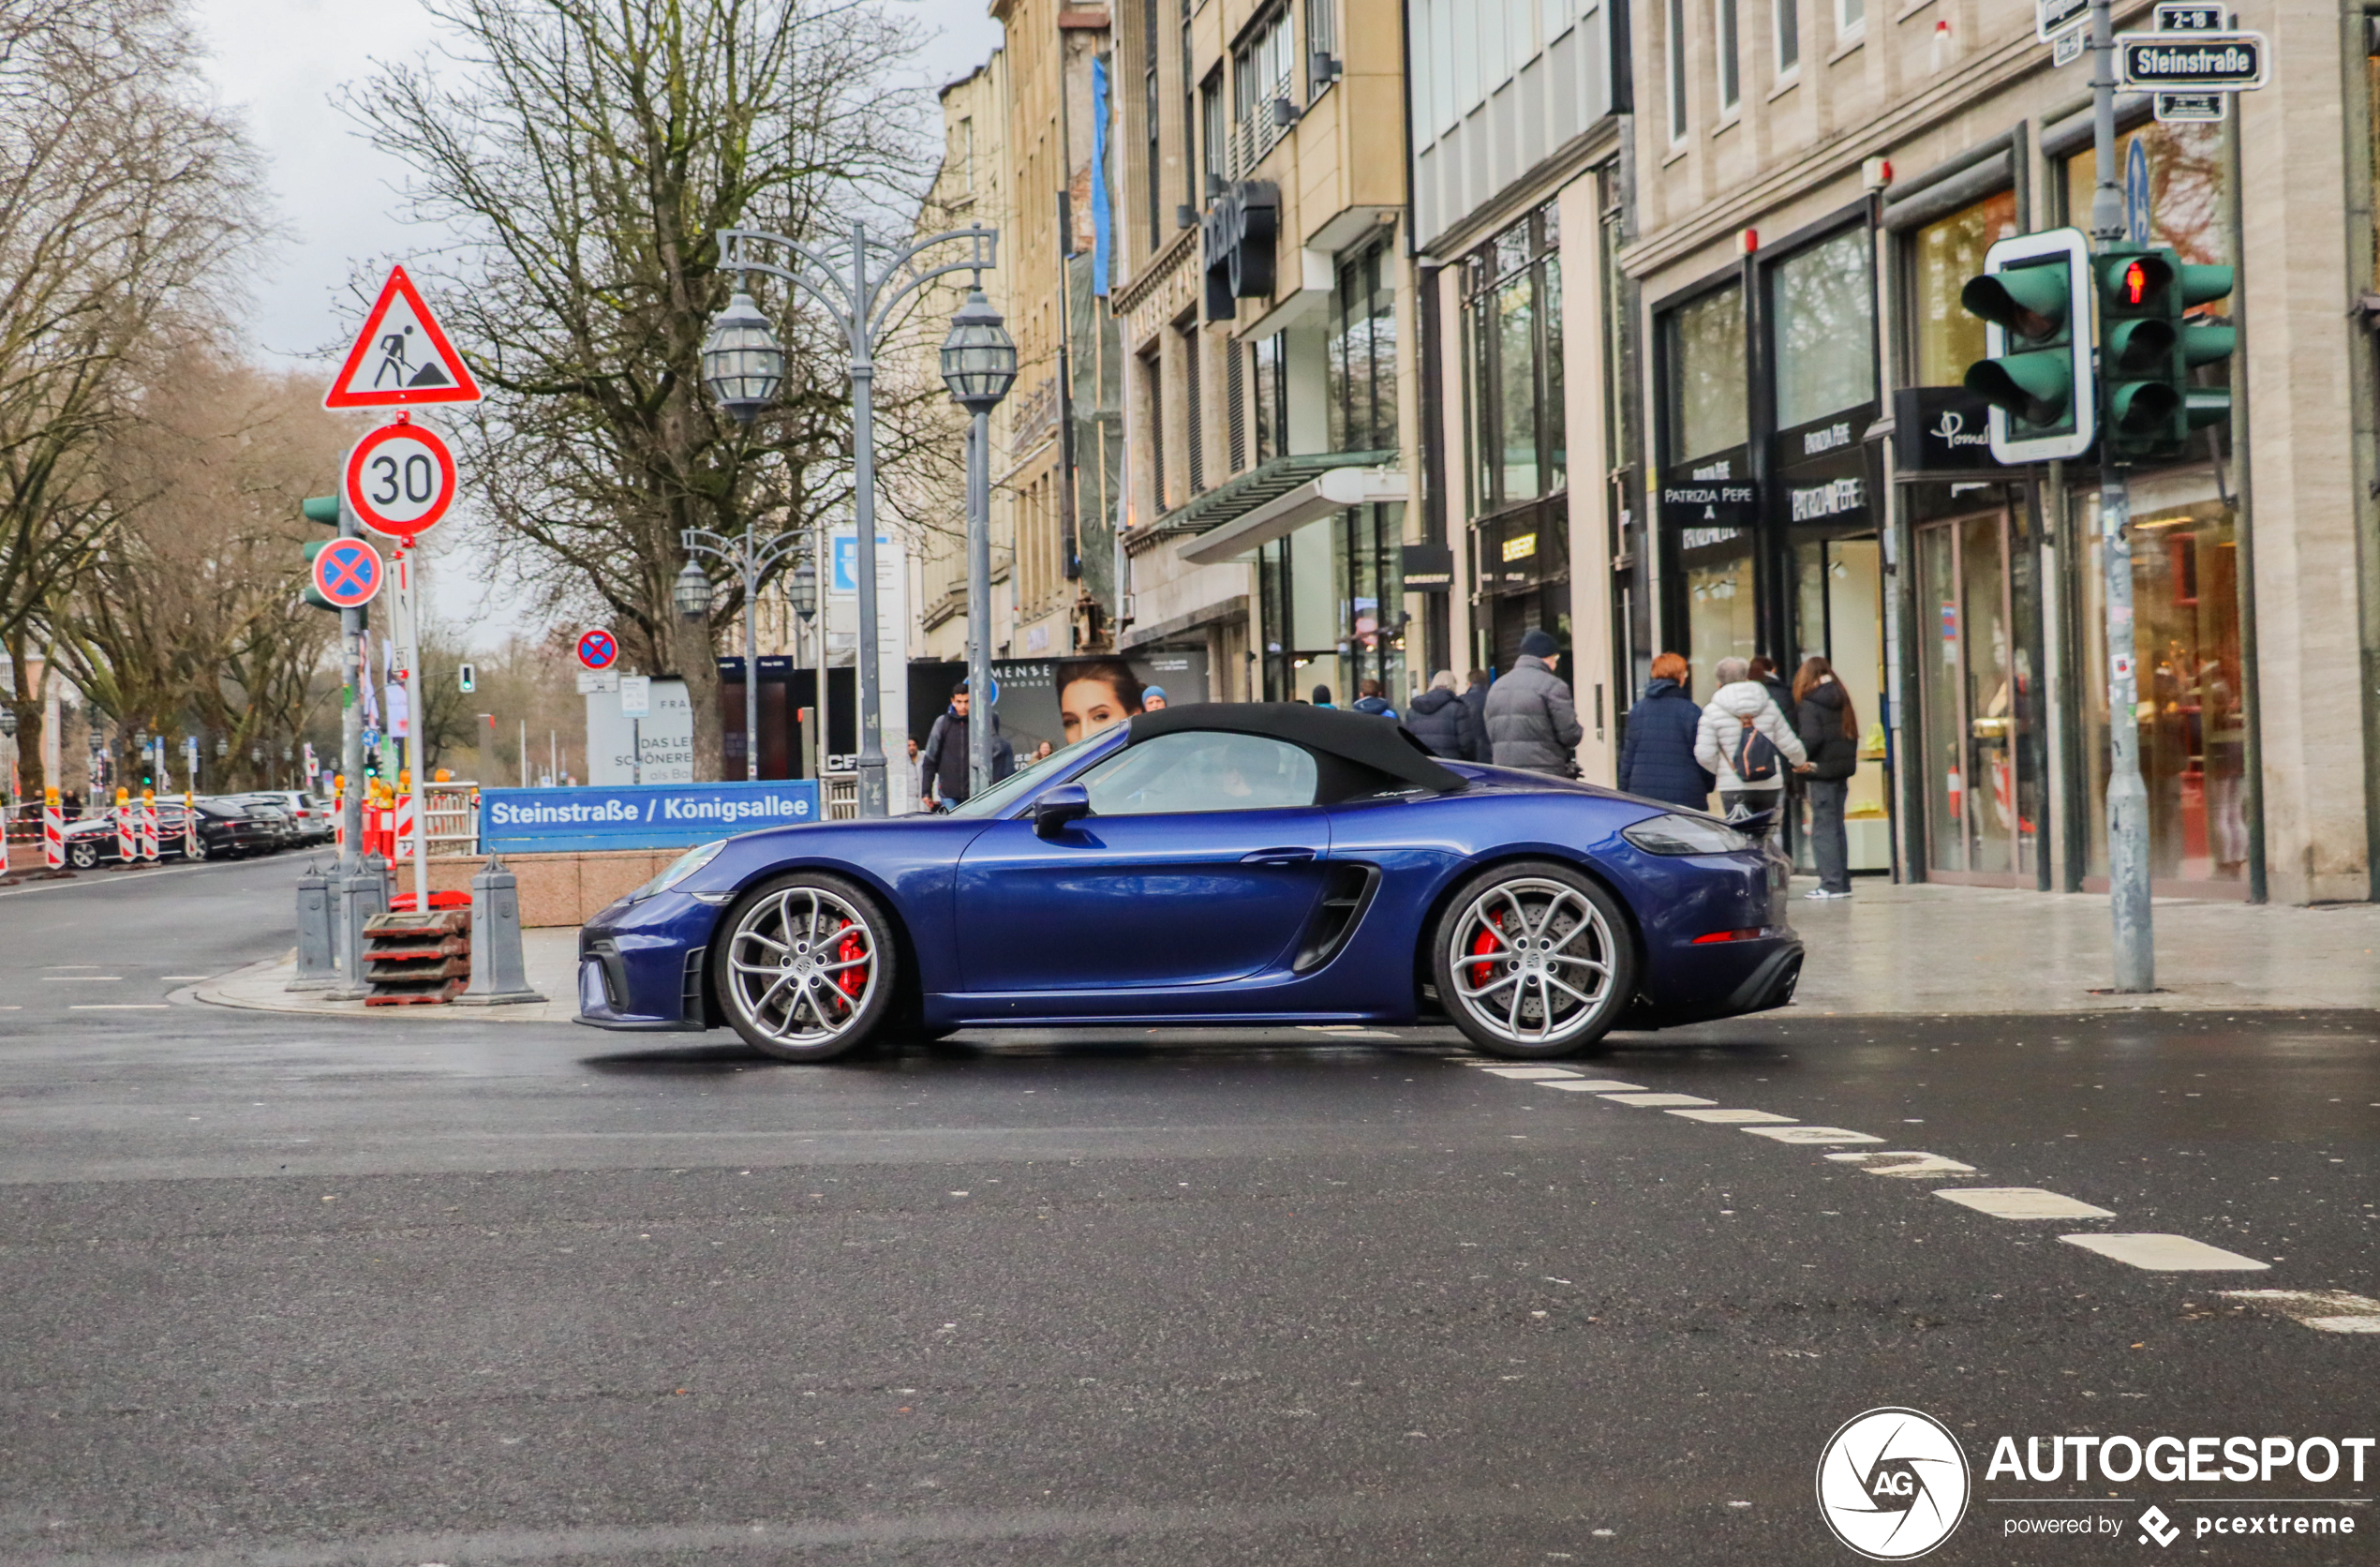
1658 759
1441 720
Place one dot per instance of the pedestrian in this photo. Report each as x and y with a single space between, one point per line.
1475 696
1779 690
1829 731
944 761
1368 699
1531 721
1746 743
1322 696
1154 699
1441 720
1656 760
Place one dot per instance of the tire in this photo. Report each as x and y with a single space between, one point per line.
83 857
199 848
1556 988
797 936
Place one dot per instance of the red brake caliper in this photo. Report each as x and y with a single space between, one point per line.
851 981
1483 944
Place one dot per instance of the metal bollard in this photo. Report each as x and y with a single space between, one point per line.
317 940
361 896
499 975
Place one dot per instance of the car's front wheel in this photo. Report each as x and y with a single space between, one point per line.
83 857
1533 961
806 970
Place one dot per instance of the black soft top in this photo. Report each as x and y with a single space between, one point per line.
1367 740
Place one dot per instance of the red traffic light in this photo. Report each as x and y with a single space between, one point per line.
2136 283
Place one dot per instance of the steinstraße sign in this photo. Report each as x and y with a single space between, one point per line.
2191 61
647 816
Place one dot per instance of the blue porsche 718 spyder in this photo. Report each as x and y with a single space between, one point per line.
1228 864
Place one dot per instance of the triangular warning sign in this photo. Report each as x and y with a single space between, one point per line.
401 357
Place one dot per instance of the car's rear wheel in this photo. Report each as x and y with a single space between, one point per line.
83 857
1534 960
807 971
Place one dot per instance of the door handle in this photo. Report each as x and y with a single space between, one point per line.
1277 856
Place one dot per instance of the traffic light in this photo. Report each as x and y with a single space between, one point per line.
2148 345
2033 296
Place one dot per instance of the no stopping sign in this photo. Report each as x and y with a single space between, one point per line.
400 480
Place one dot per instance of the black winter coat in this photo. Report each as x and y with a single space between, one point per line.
1442 721
1818 718
1658 759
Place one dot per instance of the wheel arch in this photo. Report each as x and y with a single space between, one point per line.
909 993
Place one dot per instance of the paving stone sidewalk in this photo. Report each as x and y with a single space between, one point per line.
550 956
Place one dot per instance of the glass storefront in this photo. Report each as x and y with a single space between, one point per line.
1976 698
1333 602
1519 481
1709 513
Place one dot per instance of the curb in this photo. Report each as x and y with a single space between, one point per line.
216 993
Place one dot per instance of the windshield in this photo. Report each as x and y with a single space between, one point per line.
1001 796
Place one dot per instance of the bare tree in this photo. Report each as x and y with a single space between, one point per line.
124 203
590 150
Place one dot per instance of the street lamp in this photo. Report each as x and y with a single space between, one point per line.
8 722
742 363
801 590
859 283
752 559
978 365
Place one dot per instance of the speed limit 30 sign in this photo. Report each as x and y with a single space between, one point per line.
400 480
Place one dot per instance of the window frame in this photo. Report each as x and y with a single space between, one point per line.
1159 750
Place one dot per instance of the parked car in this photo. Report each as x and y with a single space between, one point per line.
278 831
225 832
311 814
1220 864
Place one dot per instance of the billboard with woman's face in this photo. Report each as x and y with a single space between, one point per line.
1056 702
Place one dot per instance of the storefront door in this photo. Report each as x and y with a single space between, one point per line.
1982 806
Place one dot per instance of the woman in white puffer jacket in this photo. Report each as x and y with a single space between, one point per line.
1742 703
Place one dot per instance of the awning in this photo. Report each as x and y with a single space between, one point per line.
1276 500
1233 500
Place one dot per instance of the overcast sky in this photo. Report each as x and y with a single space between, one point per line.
279 62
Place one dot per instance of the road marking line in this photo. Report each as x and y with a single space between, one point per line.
2021 1203
1530 1074
112 881
2324 1310
77 978
1814 1136
2167 1253
1734 1118
119 1006
1919 1165
171 979
1598 1085
1654 1102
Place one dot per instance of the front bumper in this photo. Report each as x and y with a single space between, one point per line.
641 966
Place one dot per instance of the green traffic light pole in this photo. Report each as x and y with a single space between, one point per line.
2127 795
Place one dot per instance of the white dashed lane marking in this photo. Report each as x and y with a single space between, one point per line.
1596 1086
1530 1074
1734 1118
1914 1165
2021 1203
1657 1101
1812 1137
2167 1253
2324 1310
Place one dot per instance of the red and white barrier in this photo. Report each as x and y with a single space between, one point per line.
402 828
127 837
149 826
3 840
53 832
189 827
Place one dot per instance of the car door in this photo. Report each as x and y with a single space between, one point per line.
1202 862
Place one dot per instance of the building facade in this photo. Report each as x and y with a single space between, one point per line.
1814 181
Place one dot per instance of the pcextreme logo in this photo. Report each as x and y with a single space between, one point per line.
1893 1483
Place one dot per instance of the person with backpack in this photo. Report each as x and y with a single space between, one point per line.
1746 741
1829 731
1656 760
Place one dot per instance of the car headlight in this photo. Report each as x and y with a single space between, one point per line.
1683 834
684 866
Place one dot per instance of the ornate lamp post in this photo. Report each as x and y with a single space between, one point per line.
978 365
752 558
858 283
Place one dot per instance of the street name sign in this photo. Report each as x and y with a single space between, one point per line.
2068 46
349 572
2189 19
598 650
400 480
402 357
2193 61
2190 108
2053 17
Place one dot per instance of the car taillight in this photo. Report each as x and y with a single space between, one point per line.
1753 933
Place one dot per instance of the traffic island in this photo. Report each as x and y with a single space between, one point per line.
550 957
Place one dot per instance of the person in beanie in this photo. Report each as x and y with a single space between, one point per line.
1442 721
1531 721
1369 700
1656 760
1748 744
1322 696
1154 699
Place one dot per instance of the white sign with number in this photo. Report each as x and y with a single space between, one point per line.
400 480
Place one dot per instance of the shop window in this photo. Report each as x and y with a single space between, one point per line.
1824 303
1721 606
1948 338
1514 334
2186 189
1702 355
1362 353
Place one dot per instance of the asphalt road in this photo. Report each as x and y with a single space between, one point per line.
296 1291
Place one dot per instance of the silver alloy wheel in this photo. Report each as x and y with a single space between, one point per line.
786 960
1532 961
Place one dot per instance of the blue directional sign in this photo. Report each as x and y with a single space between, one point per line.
349 572
2138 218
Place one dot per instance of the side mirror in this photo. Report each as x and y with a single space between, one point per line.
1066 803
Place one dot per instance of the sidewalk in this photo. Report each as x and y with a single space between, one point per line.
1933 949
550 956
